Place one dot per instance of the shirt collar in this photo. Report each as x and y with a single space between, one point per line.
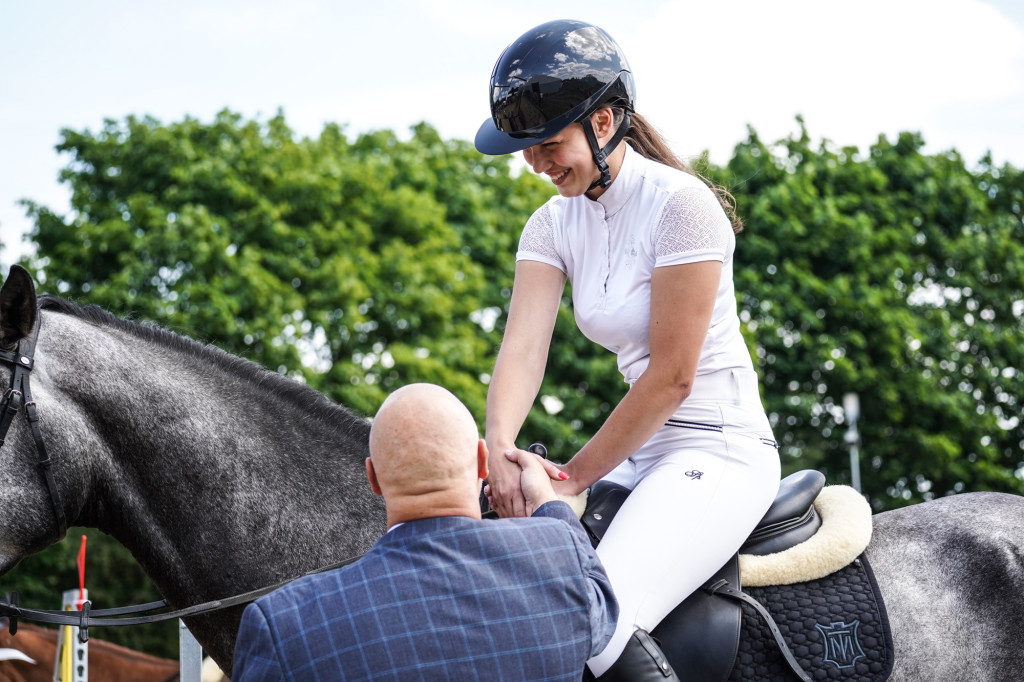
623 186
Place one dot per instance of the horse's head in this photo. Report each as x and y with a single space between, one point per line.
26 516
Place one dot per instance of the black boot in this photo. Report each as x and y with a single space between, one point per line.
641 661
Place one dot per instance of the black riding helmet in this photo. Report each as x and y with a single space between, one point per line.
552 76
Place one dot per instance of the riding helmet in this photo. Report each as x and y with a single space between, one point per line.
550 77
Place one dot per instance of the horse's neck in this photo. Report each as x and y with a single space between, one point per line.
192 465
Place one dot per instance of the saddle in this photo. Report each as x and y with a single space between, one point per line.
722 632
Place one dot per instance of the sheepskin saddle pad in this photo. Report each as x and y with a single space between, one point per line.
799 601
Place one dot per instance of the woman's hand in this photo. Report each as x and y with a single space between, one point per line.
536 477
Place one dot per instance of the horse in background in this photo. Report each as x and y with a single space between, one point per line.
108 662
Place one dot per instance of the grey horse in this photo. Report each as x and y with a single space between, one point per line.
222 477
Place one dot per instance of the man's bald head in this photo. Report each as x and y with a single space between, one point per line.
425 448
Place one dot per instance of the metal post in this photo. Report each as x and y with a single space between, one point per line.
72 657
851 408
190 655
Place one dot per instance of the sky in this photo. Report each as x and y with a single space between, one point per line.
952 70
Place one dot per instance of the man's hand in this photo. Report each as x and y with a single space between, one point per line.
503 490
536 478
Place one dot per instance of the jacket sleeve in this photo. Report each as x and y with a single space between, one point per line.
255 657
604 609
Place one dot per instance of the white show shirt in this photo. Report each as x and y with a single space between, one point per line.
650 216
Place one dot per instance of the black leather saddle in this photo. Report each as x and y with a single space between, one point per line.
790 520
702 634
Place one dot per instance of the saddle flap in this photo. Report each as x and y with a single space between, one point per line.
701 636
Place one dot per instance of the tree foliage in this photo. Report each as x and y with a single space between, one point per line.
360 265
897 276
353 265
357 266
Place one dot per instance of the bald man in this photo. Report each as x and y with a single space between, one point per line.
443 595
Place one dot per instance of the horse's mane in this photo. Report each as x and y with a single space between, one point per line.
310 400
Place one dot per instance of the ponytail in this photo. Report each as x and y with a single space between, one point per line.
648 142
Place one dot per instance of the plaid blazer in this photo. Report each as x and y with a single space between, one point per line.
446 598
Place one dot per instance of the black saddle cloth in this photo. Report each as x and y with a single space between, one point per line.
836 628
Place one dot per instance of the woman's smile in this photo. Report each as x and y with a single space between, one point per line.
559 178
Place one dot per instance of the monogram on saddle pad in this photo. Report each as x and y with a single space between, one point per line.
809 607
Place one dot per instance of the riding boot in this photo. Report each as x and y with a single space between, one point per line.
641 661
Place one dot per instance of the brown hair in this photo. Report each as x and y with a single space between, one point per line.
648 142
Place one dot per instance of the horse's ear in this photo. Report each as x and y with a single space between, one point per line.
17 305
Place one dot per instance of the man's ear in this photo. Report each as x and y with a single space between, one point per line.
371 475
481 459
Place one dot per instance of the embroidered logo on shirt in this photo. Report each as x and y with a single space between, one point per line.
630 251
694 474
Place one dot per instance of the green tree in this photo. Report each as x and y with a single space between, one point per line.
357 266
363 265
898 276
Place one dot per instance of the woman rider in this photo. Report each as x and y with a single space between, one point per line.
648 249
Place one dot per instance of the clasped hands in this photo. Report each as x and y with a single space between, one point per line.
521 482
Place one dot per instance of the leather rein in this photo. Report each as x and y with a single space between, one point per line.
19 395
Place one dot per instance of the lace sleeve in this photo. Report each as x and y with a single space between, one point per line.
692 227
538 239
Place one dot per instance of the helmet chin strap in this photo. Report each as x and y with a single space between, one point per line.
601 155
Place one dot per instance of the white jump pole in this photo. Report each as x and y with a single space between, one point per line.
190 655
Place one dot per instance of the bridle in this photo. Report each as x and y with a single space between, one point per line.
19 395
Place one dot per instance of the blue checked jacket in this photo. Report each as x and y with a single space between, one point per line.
446 598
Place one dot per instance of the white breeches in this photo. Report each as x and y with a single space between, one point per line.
700 485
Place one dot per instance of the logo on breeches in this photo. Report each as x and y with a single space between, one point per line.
694 474
842 645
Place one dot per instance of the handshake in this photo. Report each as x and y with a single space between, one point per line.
536 477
